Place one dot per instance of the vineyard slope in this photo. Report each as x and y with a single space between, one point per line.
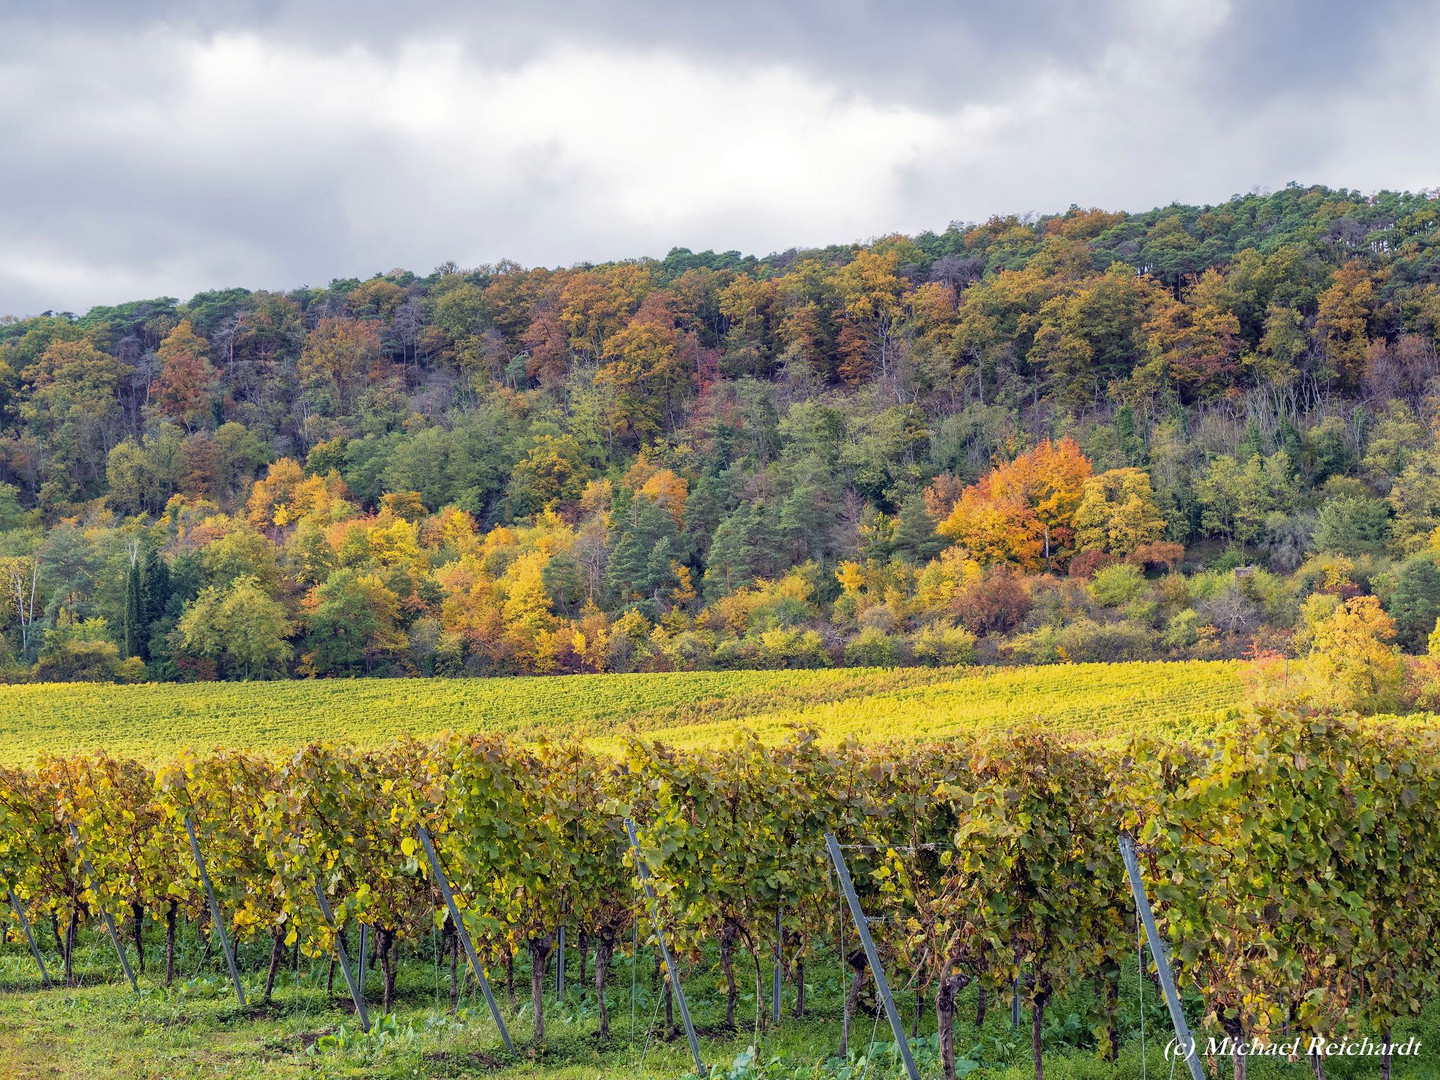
152 721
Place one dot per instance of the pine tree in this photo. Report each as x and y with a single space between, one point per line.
633 569
729 566
915 535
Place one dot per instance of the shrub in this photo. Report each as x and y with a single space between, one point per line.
1085 564
872 648
943 646
1153 558
994 604
1353 524
1085 641
1088 641
690 650
792 649
1183 630
1118 584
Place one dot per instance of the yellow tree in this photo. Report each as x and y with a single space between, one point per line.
1342 315
1194 347
1117 513
647 365
338 357
285 494
526 609
870 294
1352 664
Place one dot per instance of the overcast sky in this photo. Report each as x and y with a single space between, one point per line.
164 148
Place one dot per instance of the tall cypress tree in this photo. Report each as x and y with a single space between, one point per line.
134 628
154 598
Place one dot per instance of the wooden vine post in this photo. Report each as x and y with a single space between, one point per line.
464 934
643 872
215 915
104 913
862 927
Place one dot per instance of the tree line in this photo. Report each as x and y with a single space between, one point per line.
1089 435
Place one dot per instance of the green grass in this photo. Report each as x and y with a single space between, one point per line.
101 1030
153 721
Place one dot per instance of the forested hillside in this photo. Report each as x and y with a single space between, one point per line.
1192 432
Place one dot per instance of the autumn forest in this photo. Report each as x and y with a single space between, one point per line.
1191 432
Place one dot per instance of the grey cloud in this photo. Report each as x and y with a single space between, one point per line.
102 199
924 50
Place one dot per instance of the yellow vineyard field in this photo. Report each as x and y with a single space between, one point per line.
153 721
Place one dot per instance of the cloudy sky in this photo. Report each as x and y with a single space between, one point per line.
162 148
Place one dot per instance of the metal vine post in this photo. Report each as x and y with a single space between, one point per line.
643 872
104 913
29 936
1161 955
357 994
444 883
215 915
862 926
775 984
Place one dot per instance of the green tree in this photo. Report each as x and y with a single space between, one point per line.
1117 513
133 627
1413 600
1235 499
645 546
239 627
915 537
1352 524
351 624
730 565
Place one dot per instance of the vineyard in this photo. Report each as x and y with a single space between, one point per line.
151 722
1293 862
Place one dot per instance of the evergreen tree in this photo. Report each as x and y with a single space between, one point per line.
710 500
915 537
1128 435
133 628
153 581
731 551
1413 601
632 570
154 588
